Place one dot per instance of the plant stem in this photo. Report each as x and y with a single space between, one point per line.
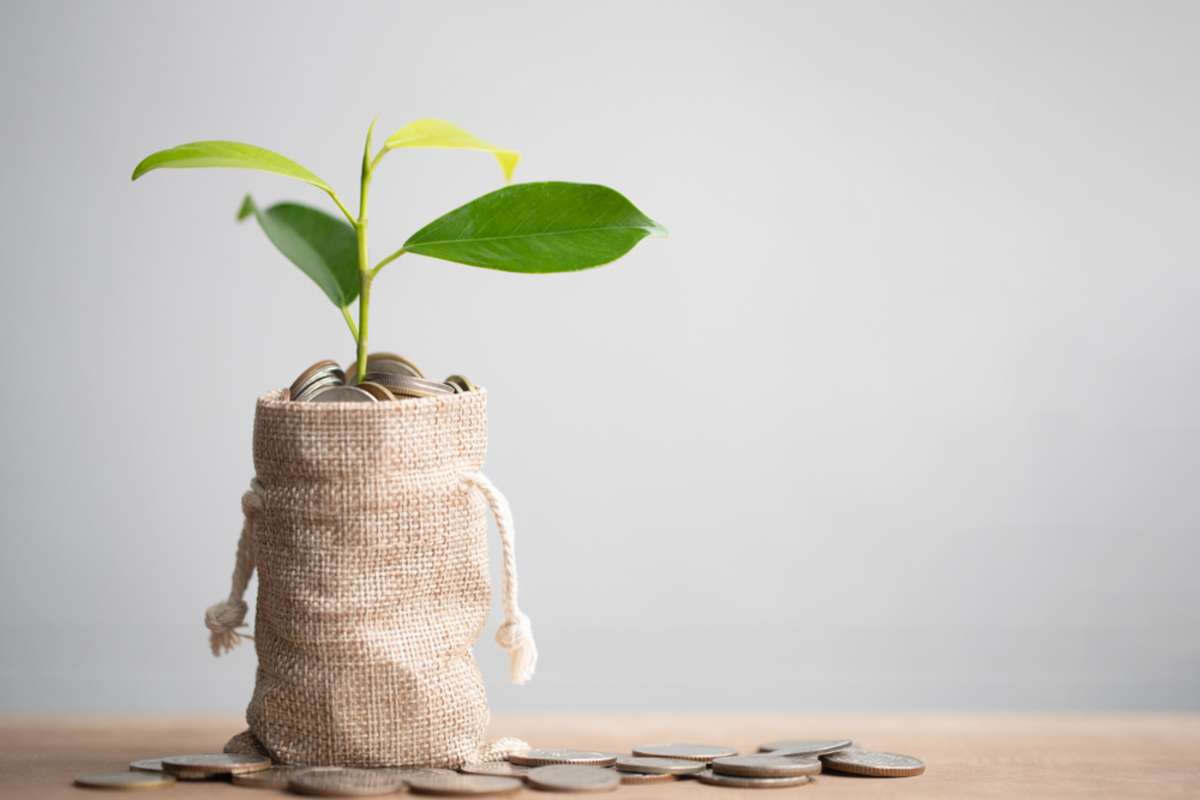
338 201
350 322
387 261
365 275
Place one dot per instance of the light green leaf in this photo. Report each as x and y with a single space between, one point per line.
537 227
439 134
226 154
323 246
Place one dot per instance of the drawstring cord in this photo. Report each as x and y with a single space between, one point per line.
224 618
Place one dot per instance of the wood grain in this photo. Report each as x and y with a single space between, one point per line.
968 755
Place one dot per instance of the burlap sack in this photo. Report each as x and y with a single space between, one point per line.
367 525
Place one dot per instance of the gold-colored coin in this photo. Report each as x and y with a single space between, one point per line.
635 778
692 752
805 747
125 781
462 785
408 386
767 766
339 782
502 768
212 765
661 766
574 778
273 778
376 390
872 764
317 370
393 361
462 382
742 782
538 758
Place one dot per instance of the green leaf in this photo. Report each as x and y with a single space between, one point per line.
439 134
323 246
537 227
226 154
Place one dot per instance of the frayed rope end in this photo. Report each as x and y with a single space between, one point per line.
516 636
222 621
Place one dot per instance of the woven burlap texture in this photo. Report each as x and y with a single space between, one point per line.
368 528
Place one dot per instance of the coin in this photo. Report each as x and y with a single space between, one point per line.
273 778
462 382
692 752
502 768
742 782
147 765
664 766
768 766
409 386
376 390
316 371
339 782
805 747
538 758
462 785
211 765
343 394
876 765
634 778
574 778
125 780
393 362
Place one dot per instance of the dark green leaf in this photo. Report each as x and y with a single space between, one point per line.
226 154
323 246
537 227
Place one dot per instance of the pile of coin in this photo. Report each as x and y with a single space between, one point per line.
775 765
388 377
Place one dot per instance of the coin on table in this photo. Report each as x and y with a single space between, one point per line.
147 765
662 766
873 764
315 372
462 383
538 758
501 768
212 765
339 782
125 780
805 747
343 394
376 390
462 785
767 766
743 782
393 362
692 752
273 778
635 778
574 778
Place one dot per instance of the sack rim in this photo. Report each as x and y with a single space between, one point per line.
277 399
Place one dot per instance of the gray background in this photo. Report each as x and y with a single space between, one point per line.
903 414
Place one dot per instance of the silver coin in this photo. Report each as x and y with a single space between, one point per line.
316 386
742 782
125 780
873 764
273 778
376 390
692 752
212 765
574 778
409 386
146 765
339 782
502 768
462 785
343 394
805 747
321 368
767 766
393 362
538 758
662 766
635 778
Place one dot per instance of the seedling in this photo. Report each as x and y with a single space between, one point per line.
548 226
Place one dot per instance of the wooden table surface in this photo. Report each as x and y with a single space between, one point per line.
967 755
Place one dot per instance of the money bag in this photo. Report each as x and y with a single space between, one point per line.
367 525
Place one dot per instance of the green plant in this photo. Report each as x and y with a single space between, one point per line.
527 227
